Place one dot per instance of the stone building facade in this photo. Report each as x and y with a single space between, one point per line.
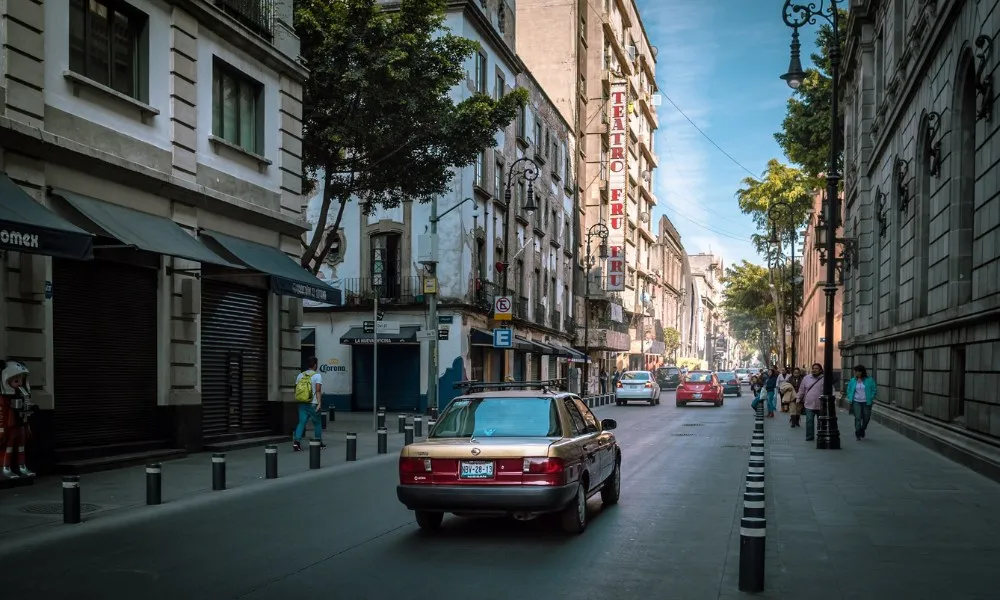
810 325
922 211
153 150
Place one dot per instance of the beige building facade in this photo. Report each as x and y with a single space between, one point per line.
604 49
151 222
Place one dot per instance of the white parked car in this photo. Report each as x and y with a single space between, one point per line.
637 385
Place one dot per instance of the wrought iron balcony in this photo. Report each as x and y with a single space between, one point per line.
359 291
486 293
257 15
556 320
539 314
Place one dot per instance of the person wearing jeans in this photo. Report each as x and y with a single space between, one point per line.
309 411
810 396
861 393
771 386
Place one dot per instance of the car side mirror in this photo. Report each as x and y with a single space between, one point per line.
608 424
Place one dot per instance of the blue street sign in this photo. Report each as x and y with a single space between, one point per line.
503 338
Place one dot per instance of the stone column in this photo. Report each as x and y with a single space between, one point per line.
183 94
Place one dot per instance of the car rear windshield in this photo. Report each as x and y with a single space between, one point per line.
499 417
670 371
727 376
635 376
696 377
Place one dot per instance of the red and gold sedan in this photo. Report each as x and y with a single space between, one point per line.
700 386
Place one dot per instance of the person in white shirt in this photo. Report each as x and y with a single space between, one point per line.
309 406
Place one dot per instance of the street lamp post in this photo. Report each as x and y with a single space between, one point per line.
796 16
598 230
522 169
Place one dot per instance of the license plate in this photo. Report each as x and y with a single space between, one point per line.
476 469
697 395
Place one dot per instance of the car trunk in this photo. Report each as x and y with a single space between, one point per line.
499 461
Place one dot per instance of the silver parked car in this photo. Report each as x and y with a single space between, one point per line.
637 385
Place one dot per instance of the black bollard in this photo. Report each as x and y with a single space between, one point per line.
71 499
352 447
432 413
381 418
218 471
271 462
752 545
315 446
383 440
759 426
401 421
154 484
325 421
755 483
418 426
753 504
409 434
430 425
333 414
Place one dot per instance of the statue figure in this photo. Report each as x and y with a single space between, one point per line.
15 410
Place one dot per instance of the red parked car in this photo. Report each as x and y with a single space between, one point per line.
700 386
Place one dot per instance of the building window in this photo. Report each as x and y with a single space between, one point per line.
502 18
236 108
479 177
481 73
500 86
498 179
522 122
567 167
107 43
538 135
386 280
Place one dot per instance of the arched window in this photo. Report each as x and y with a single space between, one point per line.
962 209
898 212
386 264
877 236
922 218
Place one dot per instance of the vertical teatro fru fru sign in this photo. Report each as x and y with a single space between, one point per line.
617 182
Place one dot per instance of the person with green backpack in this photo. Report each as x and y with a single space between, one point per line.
309 395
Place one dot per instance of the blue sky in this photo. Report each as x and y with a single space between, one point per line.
719 62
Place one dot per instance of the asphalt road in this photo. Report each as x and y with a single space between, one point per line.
346 536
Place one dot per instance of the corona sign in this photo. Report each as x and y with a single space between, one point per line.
617 182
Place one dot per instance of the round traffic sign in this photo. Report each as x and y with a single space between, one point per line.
503 304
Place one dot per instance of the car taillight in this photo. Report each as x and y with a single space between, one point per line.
733 382
544 471
648 384
414 470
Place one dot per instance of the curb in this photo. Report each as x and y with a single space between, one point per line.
136 513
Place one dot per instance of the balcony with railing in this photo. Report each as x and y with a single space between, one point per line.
485 295
257 15
539 314
360 291
604 333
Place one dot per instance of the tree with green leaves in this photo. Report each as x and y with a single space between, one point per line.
379 124
779 200
805 131
671 340
749 306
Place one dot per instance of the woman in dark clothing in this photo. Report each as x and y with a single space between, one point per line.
770 385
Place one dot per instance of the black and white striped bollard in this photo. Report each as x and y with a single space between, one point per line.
409 434
418 426
218 471
71 499
430 425
352 447
315 446
333 414
753 533
753 503
401 422
154 484
325 420
381 417
383 441
271 462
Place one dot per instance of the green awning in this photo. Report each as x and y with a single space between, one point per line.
287 277
27 226
142 230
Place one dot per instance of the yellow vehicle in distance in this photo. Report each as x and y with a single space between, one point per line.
519 449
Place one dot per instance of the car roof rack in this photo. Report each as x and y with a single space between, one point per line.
546 386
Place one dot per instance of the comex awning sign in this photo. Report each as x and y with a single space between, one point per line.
17 238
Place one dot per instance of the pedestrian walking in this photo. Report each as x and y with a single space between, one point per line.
861 393
785 400
603 377
309 394
794 408
755 388
810 394
771 386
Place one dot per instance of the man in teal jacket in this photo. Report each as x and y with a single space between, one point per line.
861 398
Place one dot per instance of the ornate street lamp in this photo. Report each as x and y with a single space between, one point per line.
522 169
600 231
796 16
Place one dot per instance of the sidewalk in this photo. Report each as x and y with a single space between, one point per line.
26 510
880 518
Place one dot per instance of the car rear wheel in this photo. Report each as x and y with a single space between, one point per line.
574 517
428 520
612 489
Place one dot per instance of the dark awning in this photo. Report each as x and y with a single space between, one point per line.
357 336
27 226
523 344
576 356
479 337
141 230
543 348
286 276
